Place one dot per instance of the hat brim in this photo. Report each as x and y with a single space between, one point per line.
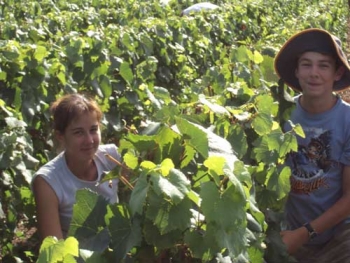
308 40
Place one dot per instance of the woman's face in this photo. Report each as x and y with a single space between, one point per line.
81 138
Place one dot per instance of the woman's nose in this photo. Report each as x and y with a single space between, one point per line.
89 137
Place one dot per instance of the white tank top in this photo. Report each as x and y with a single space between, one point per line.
65 184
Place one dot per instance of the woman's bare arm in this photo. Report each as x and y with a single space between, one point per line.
46 209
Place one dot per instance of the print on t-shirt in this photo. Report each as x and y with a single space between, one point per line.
311 163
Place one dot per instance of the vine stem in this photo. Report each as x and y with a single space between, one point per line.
122 178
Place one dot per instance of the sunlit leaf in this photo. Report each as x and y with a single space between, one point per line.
126 72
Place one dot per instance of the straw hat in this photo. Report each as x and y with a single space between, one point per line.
313 39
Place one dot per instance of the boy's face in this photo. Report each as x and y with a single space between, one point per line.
317 73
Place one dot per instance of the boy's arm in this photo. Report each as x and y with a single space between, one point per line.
335 214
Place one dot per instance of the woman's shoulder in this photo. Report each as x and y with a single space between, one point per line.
51 166
108 147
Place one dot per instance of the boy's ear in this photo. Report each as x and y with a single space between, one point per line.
339 73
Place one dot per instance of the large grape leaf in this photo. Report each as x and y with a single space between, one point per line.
125 230
278 180
53 250
138 195
225 208
176 186
193 136
167 216
153 236
202 244
87 223
262 123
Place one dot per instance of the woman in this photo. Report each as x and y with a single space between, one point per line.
81 164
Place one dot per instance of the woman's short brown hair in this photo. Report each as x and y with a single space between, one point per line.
68 107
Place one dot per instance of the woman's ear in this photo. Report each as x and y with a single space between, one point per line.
59 142
339 73
58 135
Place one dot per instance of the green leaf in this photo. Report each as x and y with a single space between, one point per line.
299 130
262 151
126 72
176 186
278 181
242 54
40 53
154 237
189 154
262 123
138 195
125 230
230 203
215 164
166 216
192 195
194 136
202 244
3 75
88 221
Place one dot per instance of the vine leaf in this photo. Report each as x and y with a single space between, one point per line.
167 216
176 186
125 230
53 250
194 136
88 217
230 203
138 195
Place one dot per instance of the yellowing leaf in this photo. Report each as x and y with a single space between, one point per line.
148 165
71 246
257 58
166 166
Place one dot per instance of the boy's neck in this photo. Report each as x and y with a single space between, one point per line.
317 105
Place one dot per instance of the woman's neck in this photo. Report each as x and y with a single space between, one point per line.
83 170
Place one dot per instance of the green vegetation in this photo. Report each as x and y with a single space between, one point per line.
192 102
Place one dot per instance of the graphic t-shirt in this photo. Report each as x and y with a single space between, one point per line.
316 179
65 184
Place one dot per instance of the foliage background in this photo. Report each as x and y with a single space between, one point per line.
147 64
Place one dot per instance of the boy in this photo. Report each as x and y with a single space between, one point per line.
318 207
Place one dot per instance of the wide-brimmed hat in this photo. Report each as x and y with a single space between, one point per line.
312 39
